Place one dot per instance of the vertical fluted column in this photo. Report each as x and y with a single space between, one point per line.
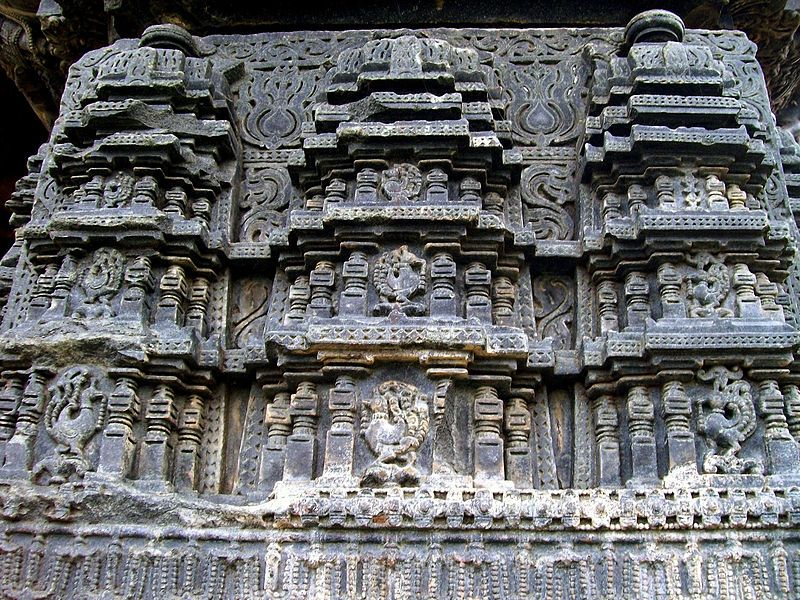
488 443
279 426
783 455
301 446
118 443
341 436
680 439
190 434
641 415
606 441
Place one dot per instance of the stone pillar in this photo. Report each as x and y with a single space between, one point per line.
42 293
504 293
607 306
680 439
791 397
366 186
118 443
783 454
198 303
637 198
768 293
10 401
297 301
715 193
279 426
744 282
669 285
341 436
63 282
335 192
637 291
612 207
443 277
737 197
190 434
201 210
315 200
161 418
145 193
19 449
606 442
519 462
175 202
321 280
641 415
355 272
469 190
174 287
139 281
301 446
488 443
478 284
665 193
436 193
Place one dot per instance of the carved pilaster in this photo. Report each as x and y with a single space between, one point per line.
680 439
436 192
478 284
41 297
715 193
19 449
606 429
607 306
10 401
737 197
160 418
341 435
783 454
791 397
612 207
279 426
322 280
669 285
488 443
119 443
63 282
641 414
768 293
139 281
301 446
355 273
366 186
443 277
469 190
637 291
297 301
493 204
504 293
174 287
637 198
145 193
335 192
175 202
519 463
190 434
198 303
744 282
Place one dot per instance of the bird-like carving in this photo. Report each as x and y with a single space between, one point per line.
74 414
727 417
394 424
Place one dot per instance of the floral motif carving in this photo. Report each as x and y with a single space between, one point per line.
401 183
394 424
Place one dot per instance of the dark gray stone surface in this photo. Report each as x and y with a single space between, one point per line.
451 313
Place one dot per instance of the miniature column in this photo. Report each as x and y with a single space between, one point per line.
190 434
19 449
607 306
297 301
301 446
669 285
279 426
783 454
340 439
139 281
637 290
174 287
198 303
355 272
10 401
366 186
488 443
680 439
643 443
161 418
478 283
321 281
519 463
607 442
504 293
443 294
118 443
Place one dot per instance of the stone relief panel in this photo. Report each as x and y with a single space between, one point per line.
270 292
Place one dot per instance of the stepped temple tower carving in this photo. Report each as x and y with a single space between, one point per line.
400 314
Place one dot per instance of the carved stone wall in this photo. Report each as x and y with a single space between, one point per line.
420 314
